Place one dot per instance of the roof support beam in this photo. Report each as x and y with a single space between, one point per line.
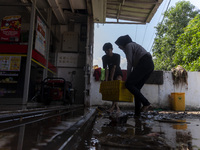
148 8
130 11
134 2
15 4
153 11
110 22
57 11
99 10
119 10
71 5
126 16
89 7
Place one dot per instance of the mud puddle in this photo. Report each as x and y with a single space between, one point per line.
154 130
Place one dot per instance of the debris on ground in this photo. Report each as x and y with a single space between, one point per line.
155 129
179 75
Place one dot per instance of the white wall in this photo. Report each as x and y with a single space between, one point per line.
77 81
65 70
158 95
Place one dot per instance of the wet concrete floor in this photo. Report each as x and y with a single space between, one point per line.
36 134
153 131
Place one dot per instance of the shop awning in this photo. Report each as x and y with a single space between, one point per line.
103 11
124 11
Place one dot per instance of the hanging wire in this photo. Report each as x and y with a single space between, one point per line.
135 32
144 33
161 24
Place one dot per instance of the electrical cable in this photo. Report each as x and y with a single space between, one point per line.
161 24
136 33
144 33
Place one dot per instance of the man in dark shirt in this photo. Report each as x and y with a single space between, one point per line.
111 63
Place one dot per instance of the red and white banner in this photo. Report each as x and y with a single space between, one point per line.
10 28
40 38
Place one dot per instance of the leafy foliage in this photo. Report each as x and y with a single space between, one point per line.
168 31
188 46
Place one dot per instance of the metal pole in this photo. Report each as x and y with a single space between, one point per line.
86 101
48 34
29 55
21 137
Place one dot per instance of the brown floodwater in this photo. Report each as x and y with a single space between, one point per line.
154 130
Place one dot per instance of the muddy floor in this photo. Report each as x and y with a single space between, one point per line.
154 130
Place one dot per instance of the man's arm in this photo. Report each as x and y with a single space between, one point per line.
107 73
129 57
106 68
112 72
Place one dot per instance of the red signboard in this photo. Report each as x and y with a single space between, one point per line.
10 28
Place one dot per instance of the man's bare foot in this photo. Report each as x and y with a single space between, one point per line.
118 111
145 108
109 110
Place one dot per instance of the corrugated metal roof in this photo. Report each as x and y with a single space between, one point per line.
134 11
103 11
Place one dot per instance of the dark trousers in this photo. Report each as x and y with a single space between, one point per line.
136 80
